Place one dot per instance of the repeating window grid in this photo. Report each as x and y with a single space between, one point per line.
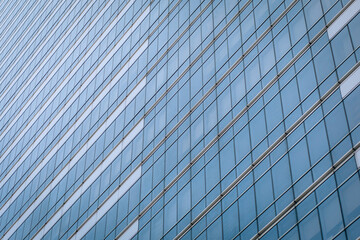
16 16
228 204
334 149
7 6
21 53
73 183
60 49
320 199
6 82
31 27
200 164
350 230
63 161
29 90
94 93
42 97
34 31
343 148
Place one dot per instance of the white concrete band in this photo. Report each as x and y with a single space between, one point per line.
350 83
343 19
130 231
357 157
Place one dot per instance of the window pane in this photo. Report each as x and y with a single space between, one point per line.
290 97
349 196
282 43
336 123
257 128
355 31
281 176
312 12
318 142
323 63
309 227
341 46
307 80
330 217
227 158
231 222
267 59
264 192
352 108
247 208
252 74
299 160
297 27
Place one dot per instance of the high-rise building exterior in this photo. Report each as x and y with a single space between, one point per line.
139 119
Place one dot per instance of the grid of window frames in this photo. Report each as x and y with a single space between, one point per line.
139 119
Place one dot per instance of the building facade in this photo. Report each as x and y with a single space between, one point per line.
198 119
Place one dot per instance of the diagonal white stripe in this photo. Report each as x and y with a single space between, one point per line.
350 83
130 232
344 19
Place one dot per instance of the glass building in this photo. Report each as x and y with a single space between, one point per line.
149 119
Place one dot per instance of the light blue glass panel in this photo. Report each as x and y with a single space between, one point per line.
309 227
349 193
330 217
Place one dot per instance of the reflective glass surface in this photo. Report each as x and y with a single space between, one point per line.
139 119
